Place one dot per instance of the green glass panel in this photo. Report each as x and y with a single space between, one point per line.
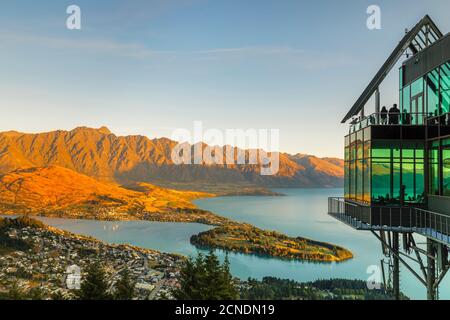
352 180
408 180
420 153
407 99
445 88
381 153
445 143
367 181
419 194
390 172
396 181
408 153
353 146
367 150
360 150
381 181
359 180
446 172
432 80
346 180
417 87
434 171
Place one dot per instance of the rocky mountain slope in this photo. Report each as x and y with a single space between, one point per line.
104 156
54 191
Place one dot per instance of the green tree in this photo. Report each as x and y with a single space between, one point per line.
95 285
204 278
125 287
15 293
36 294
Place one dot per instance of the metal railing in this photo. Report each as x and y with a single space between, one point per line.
407 219
389 119
339 206
432 224
443 120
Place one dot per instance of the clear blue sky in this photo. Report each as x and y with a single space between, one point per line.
146 67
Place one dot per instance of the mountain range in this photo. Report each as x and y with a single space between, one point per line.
125 160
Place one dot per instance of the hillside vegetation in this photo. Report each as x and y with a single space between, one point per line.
56 191
248 239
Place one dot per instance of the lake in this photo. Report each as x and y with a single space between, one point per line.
302 212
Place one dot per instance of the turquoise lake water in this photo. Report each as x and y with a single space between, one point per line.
302 212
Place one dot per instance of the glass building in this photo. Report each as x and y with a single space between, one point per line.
397 160
404 159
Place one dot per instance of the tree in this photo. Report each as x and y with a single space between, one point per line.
95 285
125 287
36 294
15 293
204 278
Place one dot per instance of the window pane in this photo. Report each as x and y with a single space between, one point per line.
381 182
359 152
434 171
417 87
446 172
407 99
346 180
367 150
445 88
359 180
419 194
367 191
433 93
396 178
408 180
352 180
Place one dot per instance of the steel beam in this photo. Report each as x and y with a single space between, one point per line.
431 272
396 276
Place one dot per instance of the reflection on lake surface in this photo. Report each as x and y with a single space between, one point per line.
302 212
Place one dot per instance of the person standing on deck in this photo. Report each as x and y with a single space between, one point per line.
394 114
384 115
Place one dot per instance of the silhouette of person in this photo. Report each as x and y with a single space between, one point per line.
384 115
406 117
402 195
394 114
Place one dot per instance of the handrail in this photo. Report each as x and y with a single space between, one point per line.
399 118
390 119
426 222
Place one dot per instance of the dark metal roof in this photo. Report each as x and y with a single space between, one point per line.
420 37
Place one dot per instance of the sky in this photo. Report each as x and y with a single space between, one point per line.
152 66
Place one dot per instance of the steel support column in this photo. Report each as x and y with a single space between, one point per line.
431 270
396 271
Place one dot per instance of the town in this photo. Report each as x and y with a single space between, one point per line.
51 254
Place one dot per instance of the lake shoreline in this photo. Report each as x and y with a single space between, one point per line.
281 246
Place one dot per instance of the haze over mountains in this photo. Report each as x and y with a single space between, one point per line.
99 154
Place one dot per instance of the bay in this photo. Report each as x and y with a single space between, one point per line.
302 212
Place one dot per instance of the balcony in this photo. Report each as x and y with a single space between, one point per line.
399 219
393 119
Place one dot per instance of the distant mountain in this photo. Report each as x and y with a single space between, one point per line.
54 190
104 156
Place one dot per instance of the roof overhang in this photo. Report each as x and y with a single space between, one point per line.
418 39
